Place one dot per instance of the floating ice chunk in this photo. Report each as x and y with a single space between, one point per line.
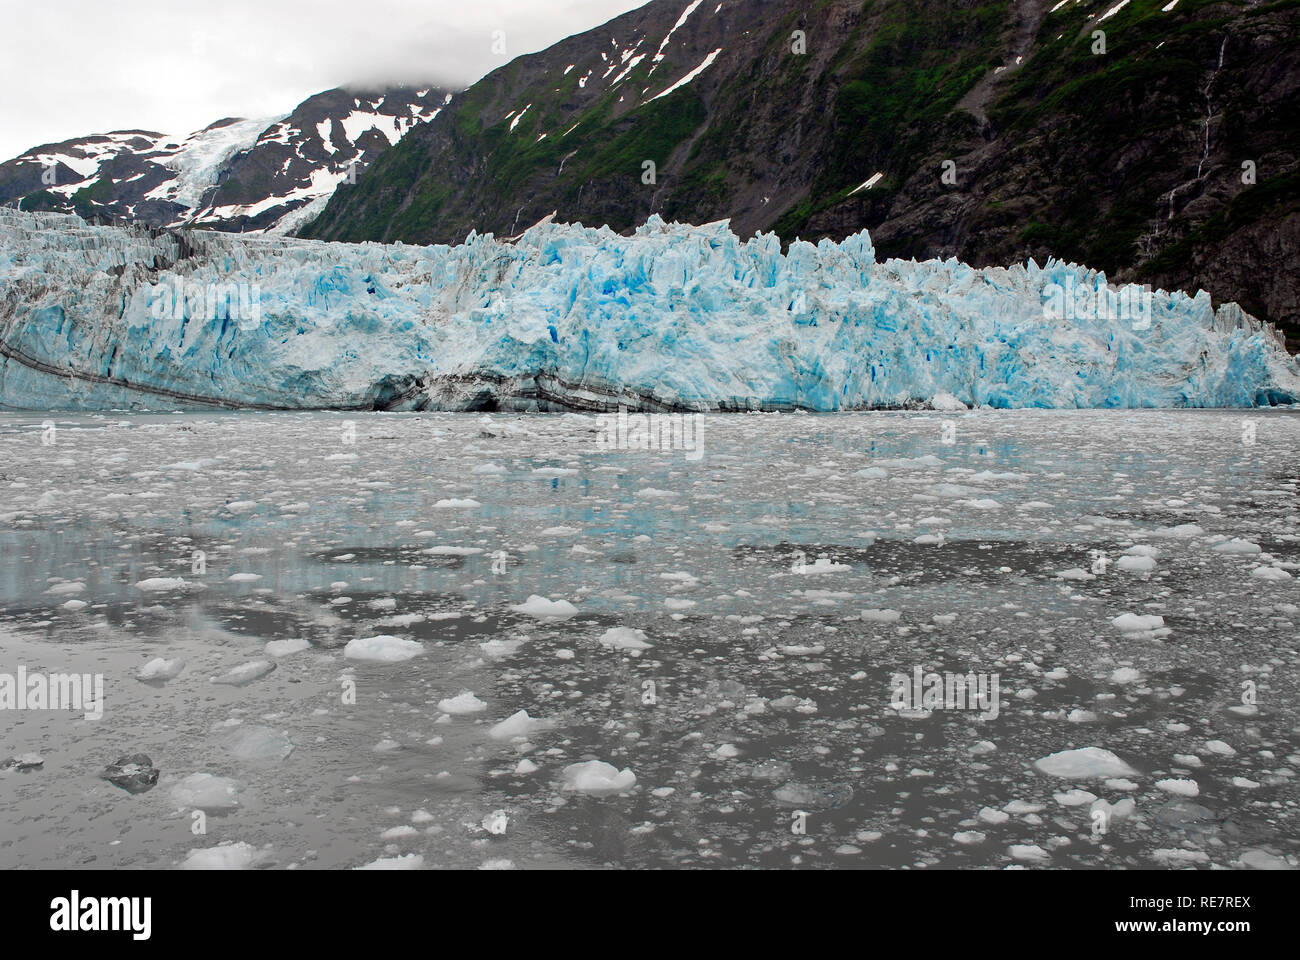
1138 623
525 767
1179 787
809 796
872 473
1115 812
256 742
625 638
597 778
455 503
880 616
24 762
1263 860
801 650
993 816
224 856
1079 715
969 837
161 584
382 649
159 670
1176 855
500 649
1270 573
1237 546
282 648
409 861
544 609
67 588
244 577
398 832
489 470
1028 853
496 822
518 725
1142 550
1184 530
1074 798
1219 747
1022 807
1086 763
823 565
1136 564
1124 675
245 673
206 792
915 463
461 704
1075 573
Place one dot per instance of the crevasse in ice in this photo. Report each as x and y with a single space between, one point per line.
570 316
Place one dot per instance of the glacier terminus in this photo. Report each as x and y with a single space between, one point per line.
567 317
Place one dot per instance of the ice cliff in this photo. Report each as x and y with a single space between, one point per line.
565 316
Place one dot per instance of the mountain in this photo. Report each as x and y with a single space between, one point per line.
567 317
234 175
990 130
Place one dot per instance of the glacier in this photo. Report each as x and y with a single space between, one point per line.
672 317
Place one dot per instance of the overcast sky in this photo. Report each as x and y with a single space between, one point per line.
74 67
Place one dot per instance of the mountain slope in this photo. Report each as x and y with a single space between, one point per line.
1129 160
239 175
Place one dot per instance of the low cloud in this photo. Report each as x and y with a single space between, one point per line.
74 67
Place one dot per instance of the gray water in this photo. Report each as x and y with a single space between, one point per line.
758 724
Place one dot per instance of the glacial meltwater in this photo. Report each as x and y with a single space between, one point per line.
489 640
